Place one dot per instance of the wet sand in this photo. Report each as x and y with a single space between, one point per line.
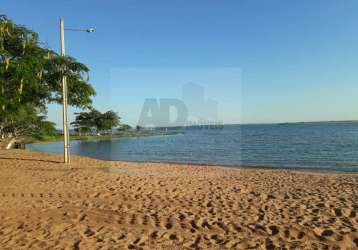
94 204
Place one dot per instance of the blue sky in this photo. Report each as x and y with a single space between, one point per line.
297 59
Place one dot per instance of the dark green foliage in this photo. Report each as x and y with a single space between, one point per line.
107 121
124 127
25 121
95 121
30 78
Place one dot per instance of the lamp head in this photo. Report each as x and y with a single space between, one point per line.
90 30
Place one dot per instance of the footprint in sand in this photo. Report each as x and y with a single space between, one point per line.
133 219
205 224
168 224
88 232
274 230
173 237
154 235
121 236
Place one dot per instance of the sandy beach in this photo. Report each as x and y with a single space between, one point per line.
94 204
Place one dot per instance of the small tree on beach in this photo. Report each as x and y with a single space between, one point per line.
30 78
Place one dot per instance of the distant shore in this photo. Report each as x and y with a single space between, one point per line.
102 204
57 138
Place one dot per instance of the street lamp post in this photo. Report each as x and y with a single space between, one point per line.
66 133
66 136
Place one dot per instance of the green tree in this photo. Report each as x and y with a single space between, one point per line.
25 121
124 127
85 122
94 121
107 121
30 78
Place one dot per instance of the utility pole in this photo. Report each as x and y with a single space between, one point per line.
66 134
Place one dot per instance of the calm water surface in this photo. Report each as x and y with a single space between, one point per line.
315 146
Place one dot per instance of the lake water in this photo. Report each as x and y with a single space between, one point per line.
314 146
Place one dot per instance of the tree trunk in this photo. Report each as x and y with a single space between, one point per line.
2 134
10 143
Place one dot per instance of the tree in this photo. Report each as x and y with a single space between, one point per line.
25 120
30 78
107 121
85 122
95 121
124 127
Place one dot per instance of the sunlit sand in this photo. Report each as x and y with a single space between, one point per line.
94 204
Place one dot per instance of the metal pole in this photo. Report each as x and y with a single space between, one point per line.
66 137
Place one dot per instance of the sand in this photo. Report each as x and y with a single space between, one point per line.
94 204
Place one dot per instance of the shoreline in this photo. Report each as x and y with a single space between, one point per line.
258 167
92 203
131 134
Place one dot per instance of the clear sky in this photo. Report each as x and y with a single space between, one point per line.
297 59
